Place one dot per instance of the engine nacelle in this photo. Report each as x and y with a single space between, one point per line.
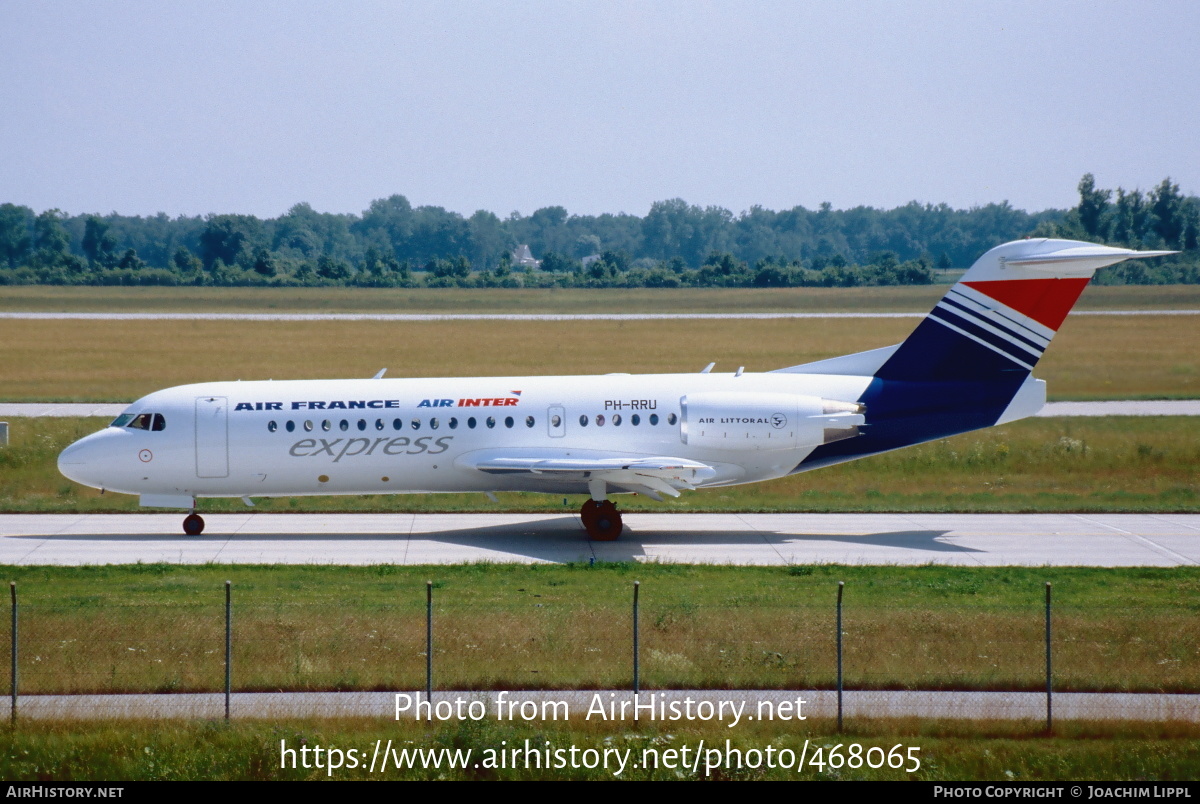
736 420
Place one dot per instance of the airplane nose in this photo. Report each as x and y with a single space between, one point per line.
82 460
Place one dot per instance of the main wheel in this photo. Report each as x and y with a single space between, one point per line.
603 524
589 512
193 524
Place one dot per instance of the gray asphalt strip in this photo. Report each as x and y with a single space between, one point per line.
55 316
718 706
995 540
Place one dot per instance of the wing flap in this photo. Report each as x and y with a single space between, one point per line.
652 475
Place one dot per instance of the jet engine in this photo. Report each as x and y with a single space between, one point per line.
743 421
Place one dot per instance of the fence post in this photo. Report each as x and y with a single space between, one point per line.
429 641
13 679
228 646
1049 667
636 668
841 586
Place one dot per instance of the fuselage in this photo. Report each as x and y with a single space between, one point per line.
255 439
966 366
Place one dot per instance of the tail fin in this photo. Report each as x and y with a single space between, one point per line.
999 319
967 364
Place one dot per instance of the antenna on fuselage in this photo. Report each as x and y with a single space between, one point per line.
379 376
708 368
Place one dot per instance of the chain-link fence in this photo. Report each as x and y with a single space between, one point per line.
345 654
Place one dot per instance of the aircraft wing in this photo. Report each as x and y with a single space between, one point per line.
649 475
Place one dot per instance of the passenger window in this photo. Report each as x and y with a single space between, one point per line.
160 423
672 418
654 419
362 424
599 419
583 420
397 424
416 424
529 421
272 426
379 424
343 425
556 421
290 426
308 425
326 424
616 420
453 423
433 424
635 420
471 422
508 422
491 422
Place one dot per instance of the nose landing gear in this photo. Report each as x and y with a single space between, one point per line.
193 524
601 520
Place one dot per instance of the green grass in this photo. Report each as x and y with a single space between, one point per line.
160 628
949 751
1036 465
147 626
1126 357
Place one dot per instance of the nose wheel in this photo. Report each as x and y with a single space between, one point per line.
601 520
193 524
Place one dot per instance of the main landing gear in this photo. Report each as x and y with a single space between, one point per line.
600 517
601 520
193 524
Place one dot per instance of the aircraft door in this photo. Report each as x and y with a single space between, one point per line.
556 421
212 436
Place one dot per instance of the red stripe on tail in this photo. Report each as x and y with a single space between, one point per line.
1046 301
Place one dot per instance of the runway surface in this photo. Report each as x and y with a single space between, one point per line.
1149 407
502 316
1099 540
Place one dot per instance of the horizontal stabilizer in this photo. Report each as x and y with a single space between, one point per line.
1081 260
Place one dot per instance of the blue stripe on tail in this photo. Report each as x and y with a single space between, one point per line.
940 382
902 413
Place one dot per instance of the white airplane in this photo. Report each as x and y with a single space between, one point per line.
966 366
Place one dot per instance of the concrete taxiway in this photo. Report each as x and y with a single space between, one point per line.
198 316
1102 540
730 705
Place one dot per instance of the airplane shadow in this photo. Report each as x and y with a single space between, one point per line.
561 539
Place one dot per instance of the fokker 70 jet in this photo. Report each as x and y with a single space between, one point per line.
966 366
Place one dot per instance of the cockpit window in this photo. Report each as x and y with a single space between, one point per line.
141 421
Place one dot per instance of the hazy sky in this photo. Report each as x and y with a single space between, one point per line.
191 108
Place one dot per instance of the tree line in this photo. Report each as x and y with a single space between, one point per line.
393 244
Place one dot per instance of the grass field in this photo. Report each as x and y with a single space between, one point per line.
949 751
159 628
42 298
118 361
1035 465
